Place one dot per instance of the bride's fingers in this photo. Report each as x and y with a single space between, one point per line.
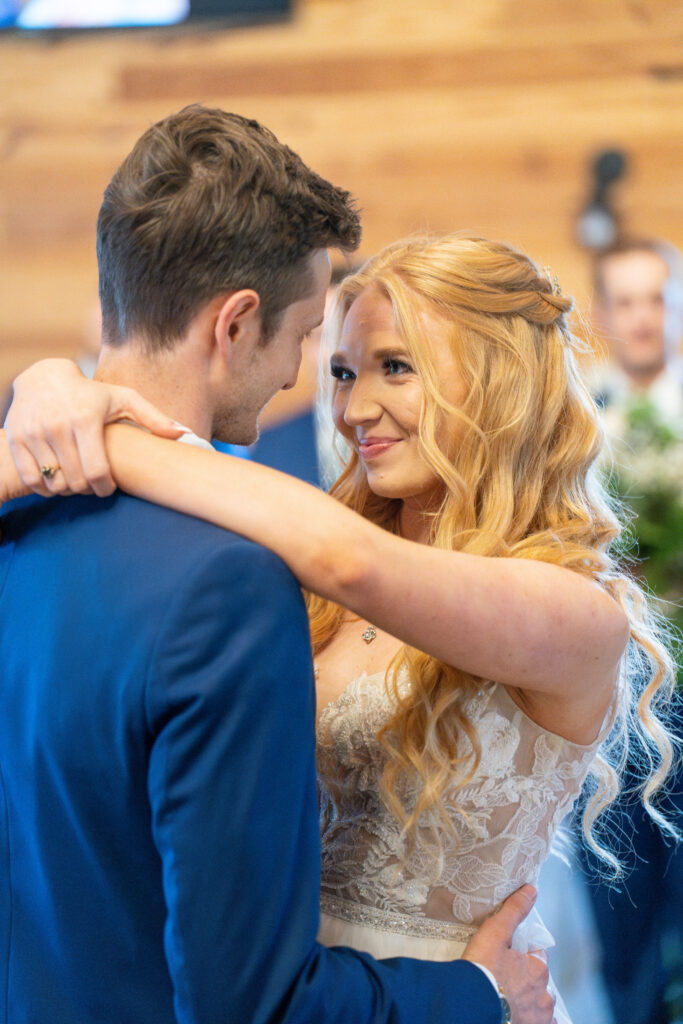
27 468
11 485
51 471
125 403
56 457
39 468
66 443
93 462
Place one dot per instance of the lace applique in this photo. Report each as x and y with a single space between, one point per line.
505 819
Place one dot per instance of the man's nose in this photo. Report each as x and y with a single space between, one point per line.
289 384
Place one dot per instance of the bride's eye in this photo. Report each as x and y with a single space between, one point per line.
394 367
341 373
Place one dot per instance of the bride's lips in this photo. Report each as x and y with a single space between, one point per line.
371 447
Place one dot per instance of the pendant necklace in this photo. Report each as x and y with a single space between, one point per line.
369 634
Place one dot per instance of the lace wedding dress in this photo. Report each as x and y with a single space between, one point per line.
506 817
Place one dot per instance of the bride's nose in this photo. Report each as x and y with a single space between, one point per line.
363 405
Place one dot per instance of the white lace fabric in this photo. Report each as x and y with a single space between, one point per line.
504 818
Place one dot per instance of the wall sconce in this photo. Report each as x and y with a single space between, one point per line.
597 226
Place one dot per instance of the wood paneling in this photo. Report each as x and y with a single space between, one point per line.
438 115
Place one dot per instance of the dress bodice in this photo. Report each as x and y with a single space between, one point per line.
504 819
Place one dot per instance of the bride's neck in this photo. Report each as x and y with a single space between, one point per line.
415 523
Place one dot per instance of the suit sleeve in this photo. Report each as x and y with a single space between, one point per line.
230 706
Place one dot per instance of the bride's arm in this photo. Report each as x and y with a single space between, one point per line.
526 624
56 419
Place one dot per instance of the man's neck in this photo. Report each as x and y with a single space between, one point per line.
641 377
169 380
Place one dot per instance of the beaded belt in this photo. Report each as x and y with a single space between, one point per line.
394 921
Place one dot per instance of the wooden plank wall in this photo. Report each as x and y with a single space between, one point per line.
437 115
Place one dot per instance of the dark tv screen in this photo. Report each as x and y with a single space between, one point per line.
72 15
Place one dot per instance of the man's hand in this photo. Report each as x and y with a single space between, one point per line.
55 427
523 977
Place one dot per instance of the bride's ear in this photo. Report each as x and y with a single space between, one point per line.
238 324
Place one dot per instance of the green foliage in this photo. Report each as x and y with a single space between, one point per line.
648 479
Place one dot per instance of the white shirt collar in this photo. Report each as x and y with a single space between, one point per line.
199 442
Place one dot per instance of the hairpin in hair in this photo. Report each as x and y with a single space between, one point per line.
553 279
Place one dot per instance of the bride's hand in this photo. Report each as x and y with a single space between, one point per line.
11 485
56 423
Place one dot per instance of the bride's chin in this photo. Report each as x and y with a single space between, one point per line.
385 490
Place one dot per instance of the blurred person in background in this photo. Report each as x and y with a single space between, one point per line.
638 307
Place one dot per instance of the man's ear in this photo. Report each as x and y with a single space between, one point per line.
238 322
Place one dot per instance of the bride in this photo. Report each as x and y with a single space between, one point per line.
469 622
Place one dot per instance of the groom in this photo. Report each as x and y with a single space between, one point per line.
159 855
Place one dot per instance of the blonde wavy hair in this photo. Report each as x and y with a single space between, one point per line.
518 460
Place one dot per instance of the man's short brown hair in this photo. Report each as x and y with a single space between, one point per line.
210 202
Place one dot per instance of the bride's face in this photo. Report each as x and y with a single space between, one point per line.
378 396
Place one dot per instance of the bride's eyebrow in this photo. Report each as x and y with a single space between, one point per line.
390 353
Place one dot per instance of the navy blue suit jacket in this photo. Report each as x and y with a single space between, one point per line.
159 850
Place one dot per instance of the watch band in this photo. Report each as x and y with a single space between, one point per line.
506 1012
